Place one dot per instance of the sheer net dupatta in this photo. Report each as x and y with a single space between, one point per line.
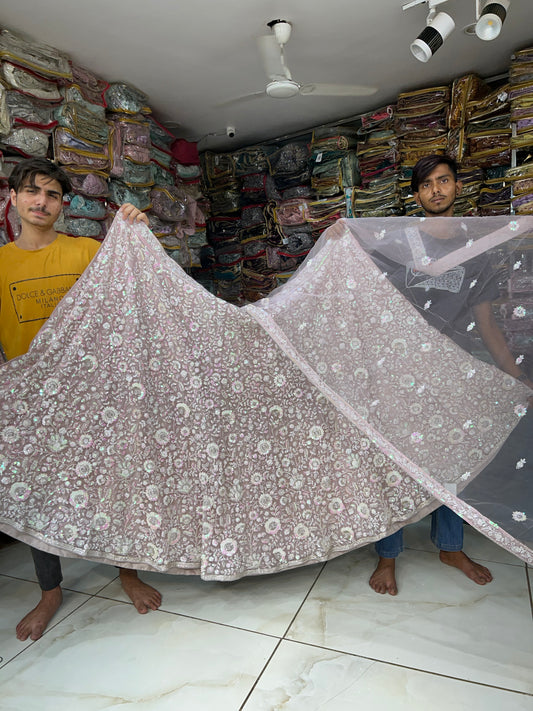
400 322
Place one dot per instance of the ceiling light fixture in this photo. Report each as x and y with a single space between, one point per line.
491 18
439 26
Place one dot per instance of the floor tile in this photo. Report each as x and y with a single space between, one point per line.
106 656
17 597
303 678
79 575
440 622
265 603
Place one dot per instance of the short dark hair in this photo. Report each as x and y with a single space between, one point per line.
427 165
26 171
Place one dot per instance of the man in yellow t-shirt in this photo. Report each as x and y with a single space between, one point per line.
36 272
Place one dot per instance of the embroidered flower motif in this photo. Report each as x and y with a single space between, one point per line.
469 243
417 437
264 446
427 304
517 265
228 546
519 516
426 260
520 463
519 359
466 476
468 424
520 410
109 415
470 325
513 225
471 373
519 312
19 491
272 525
153 520
473 283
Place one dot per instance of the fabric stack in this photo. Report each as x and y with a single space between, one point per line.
521 96
224 223
81 146
29 92
378 155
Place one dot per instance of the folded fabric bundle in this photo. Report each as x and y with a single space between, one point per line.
129 139
27 82
172 204
250 160
456 144
333 138
378 119
495 102
217 167
74 151
72 94
161 176
119 193
224 226
28 141
160 136
38 57
82 206
90 183
27 111
252 215
224 202
292 212
82 227
5 116
92 88
82 122
334 172
464 89
290 160
126 99
256 285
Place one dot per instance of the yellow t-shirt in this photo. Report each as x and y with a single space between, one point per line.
33 282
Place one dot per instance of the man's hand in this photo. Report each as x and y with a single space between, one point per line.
132 214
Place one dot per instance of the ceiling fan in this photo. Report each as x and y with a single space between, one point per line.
281 84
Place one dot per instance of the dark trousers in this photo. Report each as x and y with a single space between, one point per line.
47 569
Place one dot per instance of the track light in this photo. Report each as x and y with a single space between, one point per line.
491 19
439 26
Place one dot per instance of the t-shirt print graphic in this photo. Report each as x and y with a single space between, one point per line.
35 299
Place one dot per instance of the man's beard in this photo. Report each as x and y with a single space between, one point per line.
432 210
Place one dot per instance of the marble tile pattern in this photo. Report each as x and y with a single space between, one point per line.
316 638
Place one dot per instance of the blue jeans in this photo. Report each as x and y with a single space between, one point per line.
446 534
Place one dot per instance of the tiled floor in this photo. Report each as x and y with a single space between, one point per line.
310 639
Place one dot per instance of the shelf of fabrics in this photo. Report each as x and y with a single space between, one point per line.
81 146
30 76
223 190
379 163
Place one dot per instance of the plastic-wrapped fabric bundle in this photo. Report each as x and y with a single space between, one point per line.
90 183
313 422
80 206
29 83
130 138
5 117
89 85
123 98
496 102
292 212
250 160
36 56
74 151
159 135
28 141
171 204
464 89
72 93
30 112
119 193
82 122
160 176
81 227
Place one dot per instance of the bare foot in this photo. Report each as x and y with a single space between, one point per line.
457 559
143 596
383 579
36 621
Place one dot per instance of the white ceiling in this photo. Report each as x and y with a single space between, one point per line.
191 56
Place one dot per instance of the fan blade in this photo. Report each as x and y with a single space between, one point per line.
336 90
240 99
271 56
